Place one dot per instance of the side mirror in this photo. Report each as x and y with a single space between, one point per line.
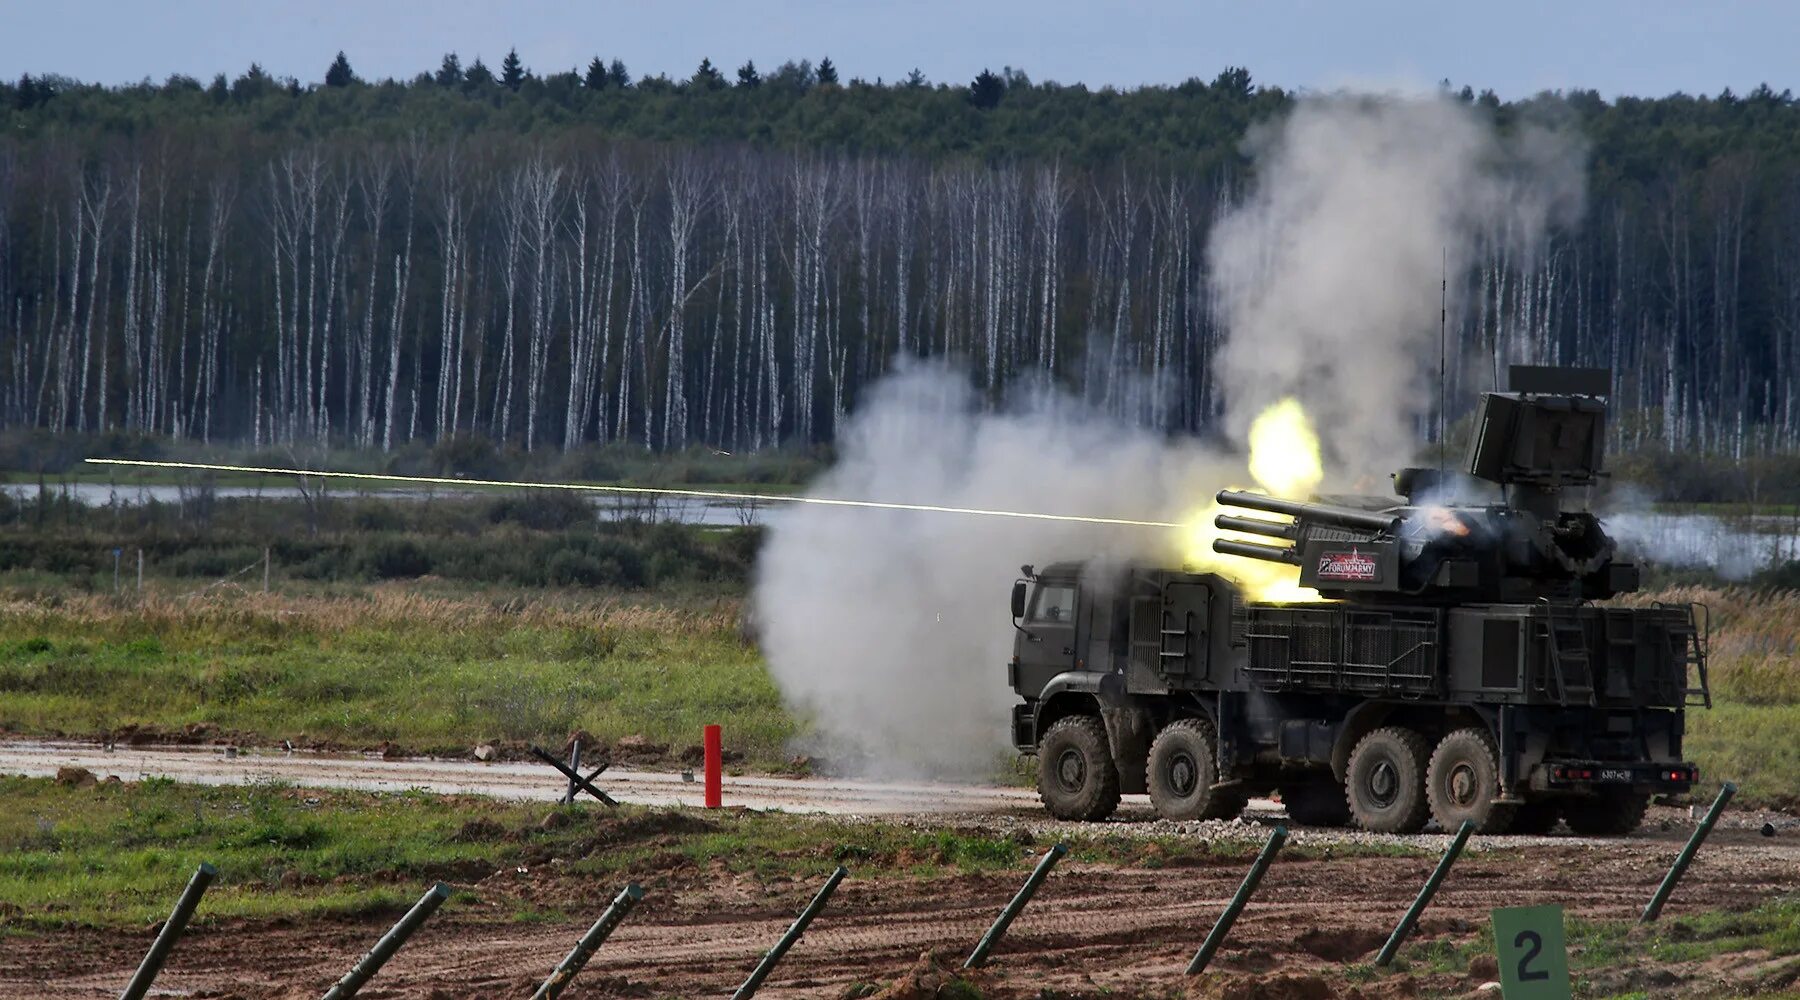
1018 600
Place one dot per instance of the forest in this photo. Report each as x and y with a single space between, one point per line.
559 260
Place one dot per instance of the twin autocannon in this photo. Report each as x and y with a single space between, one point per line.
1457 669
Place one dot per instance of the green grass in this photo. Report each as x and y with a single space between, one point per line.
1752 745
1605 956
426 674
118 854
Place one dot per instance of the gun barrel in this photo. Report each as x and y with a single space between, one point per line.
1256 550
1257 526
1343 517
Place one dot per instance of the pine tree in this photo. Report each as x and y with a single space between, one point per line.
1233 82
340 74
450 73
916 79
748 78
987 90
827 73
707 77
596 75
512 70
616 75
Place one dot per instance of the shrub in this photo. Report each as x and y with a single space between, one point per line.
395 558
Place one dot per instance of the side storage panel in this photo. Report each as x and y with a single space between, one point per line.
1343 649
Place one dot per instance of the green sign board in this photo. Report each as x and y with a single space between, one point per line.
1534 961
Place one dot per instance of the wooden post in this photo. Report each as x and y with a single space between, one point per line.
265 569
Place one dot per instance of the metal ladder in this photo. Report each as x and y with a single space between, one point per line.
1695 637
1174 661
1569 655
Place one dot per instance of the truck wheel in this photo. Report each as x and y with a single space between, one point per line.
1386 782
1315 801
1464 780
1183 767
1536 817
1607 814
1076 777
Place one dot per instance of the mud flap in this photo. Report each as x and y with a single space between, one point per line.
1128 734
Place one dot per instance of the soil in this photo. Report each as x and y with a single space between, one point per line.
1093 930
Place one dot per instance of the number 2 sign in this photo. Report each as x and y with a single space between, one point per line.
1534 961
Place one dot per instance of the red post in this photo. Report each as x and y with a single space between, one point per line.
714 767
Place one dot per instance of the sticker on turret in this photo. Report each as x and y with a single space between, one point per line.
1348 566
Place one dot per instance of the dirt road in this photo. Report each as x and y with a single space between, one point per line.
532 781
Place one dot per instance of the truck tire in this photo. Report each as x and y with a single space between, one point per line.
1385 784
1536 817
1462 782
1076 777
1607 814
1315 801
1183 767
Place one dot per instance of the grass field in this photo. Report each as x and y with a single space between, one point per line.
426 673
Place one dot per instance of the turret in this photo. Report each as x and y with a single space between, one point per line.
1446 544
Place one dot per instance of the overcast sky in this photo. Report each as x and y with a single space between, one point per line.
1642 47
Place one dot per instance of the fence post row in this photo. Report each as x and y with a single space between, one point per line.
773 958
1004 920
170 933
390 942
1217 936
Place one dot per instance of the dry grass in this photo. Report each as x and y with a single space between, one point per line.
1755 635
379 606
387 665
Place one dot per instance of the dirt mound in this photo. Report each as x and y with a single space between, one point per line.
1341 944
1276 987
76 777
931 977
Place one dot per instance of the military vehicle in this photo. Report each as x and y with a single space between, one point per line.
1456 669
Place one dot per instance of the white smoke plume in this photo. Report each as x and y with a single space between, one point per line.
1327 275
888 630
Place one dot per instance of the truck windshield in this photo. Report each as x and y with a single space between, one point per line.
1053 603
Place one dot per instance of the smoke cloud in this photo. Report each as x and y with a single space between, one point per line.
888 630
1326 276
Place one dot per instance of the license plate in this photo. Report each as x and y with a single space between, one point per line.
1615 775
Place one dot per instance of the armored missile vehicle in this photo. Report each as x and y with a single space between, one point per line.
1457 668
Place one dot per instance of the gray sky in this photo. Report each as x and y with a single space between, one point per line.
1642 47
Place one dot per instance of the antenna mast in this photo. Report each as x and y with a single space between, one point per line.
1443 351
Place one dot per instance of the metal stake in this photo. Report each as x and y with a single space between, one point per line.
584 949
170 933
1430 889
574 765
1005 919
390 942
1238 902
1686 857
770 960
